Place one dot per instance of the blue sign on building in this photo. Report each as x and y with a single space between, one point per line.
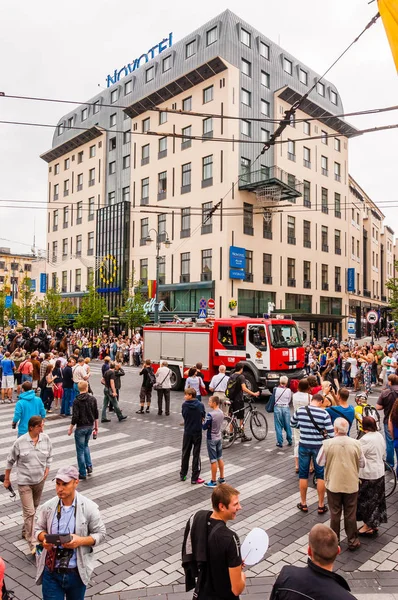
136 63
237 257
351 280
43 283
33 285
236 274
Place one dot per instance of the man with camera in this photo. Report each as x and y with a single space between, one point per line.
67 528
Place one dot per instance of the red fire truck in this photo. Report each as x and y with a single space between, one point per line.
269 347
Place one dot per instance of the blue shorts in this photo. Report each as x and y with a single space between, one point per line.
304 456
214 448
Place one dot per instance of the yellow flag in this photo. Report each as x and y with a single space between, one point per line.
389 13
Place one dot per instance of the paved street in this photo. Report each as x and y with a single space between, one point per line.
145 507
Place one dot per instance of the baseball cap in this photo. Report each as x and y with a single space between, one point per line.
66 474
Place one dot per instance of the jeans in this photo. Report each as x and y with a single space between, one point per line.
58 586
67 401
282 422
390 447
26 378
110 399
82 438
47 396
305 455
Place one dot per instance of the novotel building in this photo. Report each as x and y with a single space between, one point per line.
170 152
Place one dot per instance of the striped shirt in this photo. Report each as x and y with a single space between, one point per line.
310 437
31 460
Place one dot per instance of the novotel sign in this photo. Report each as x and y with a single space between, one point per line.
137 62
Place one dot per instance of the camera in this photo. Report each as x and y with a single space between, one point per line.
63 555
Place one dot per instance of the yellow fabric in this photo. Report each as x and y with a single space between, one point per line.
389 13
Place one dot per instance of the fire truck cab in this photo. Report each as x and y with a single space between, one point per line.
269 347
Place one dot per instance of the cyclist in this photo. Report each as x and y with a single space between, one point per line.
363 409
236 388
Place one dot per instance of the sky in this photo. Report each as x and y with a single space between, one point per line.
65 51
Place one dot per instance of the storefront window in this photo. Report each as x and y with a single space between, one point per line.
330 306
253 303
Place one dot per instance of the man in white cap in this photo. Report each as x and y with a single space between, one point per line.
64 569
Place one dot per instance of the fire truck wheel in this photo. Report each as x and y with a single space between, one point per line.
250 381
176 379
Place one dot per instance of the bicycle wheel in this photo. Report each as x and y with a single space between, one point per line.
228 432
258 425
390 480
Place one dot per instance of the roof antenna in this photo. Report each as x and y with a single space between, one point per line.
33 249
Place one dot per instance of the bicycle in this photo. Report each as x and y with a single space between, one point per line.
231 430
390 479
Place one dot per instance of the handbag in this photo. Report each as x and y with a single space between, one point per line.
323 432
158 386
202 390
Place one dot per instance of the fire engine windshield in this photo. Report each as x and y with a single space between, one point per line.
284 336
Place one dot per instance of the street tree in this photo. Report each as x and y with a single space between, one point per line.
54 309
392 285
26 307
93 309
3 310
133 313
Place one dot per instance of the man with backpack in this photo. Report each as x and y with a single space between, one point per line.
235 388
148 382
385 402
363 409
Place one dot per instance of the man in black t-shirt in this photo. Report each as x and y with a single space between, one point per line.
237 402
225 578
110 395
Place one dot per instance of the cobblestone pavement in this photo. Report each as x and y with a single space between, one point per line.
145 507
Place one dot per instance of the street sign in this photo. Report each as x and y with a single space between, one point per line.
210 303
202 303
12 322
202 313
372 317
211 312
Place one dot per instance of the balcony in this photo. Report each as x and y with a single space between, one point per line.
207 182
186 144
291 240
79 187
162 154
56 196
79 220
337 177
186 278
307 203
55 227
337 287
366 293
248 230
144 201
291 282
307 163
271 176
66 193
64 256
207 135
307 243
91 182
325 287
65 224
325 248
206 276
206 229
267 280
325 210
90 251
307 284
78 252
91 217
325 172
162 195
267 235
185 233
337 251
248 277
185 189
291 156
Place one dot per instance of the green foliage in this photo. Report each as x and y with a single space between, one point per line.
25 312
54 309
133 313
3 309
392 285
93 309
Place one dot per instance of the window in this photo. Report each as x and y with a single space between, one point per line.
162 270
149 74
161 224
324 137
60 129
146 123
111 198
307 234
307 128
337 171
126 161
292 121
208 127
265 107
185 222
66 217
246 128
91 209
69 123
144 270
186 178
249 265
166 65
144 230
56 169
246 97
190 49
287 66
324 201
211 36
207 170
84 114
187 104
54 257
80 157
265 79
91 177
78 245
303 76
267 268
145 154
248 219
186 142
128 87
145 190
307 274
66 187
320 88
325 277
207 217
162 147
291 230
112 144
66 164
267 226
265 135
333 97
245 169
162 117
112 167
92 151
126 194
307 157
337 144
55 220
206 265
126 137
208 94
291 150
246 67
337 279
307 194
114 96
264 50
324 165
90 243
96 107
56 191
162 185
112 120
245 37
337 205
64 281
291 272
324 238
185 267
337 241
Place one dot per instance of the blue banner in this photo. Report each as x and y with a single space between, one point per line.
350 280
33 285
236 274
43 283
237 258
8 302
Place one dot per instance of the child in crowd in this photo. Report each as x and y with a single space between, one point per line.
212 425
193 413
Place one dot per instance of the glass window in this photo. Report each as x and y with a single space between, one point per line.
69 123
96 107
264 50
208 127
56 191
246 97
337 144
307 128
92 151
78 244
166 65
186 175
324 137
162 144
84 114
337 239
307 270
64 246
291 230
265 107
208 94
145 187
144 228
291 268
126 194
114 96
303 76
149 74
185 263
162 117
126 161
333 97
246 67
111 198
60 129
337 171
337 205
145 152
324 200
78 279
128 87
190 49
90 242
187 104
66 164
249 265
245 169
146 124
80 157
267 266
320 88
265 79
66 216
291 149
211 36
186 141
307 157
246 128
126 137
245 37
307 234
248 218
162 182
265 135
91 207
185 219
307 193
112 144
324 236
207 167
161 224
144 270
224 335
287 66
324 165
325 274
56 169
91 177
207 216
112 167
112 120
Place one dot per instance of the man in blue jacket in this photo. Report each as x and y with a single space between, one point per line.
193 413
28 405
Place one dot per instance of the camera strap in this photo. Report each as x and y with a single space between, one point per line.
59 511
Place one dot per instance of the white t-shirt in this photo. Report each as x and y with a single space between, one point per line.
354 368
301 399
219 383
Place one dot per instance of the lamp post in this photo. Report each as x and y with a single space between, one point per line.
161 238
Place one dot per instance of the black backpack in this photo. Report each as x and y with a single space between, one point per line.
232 387
151 376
